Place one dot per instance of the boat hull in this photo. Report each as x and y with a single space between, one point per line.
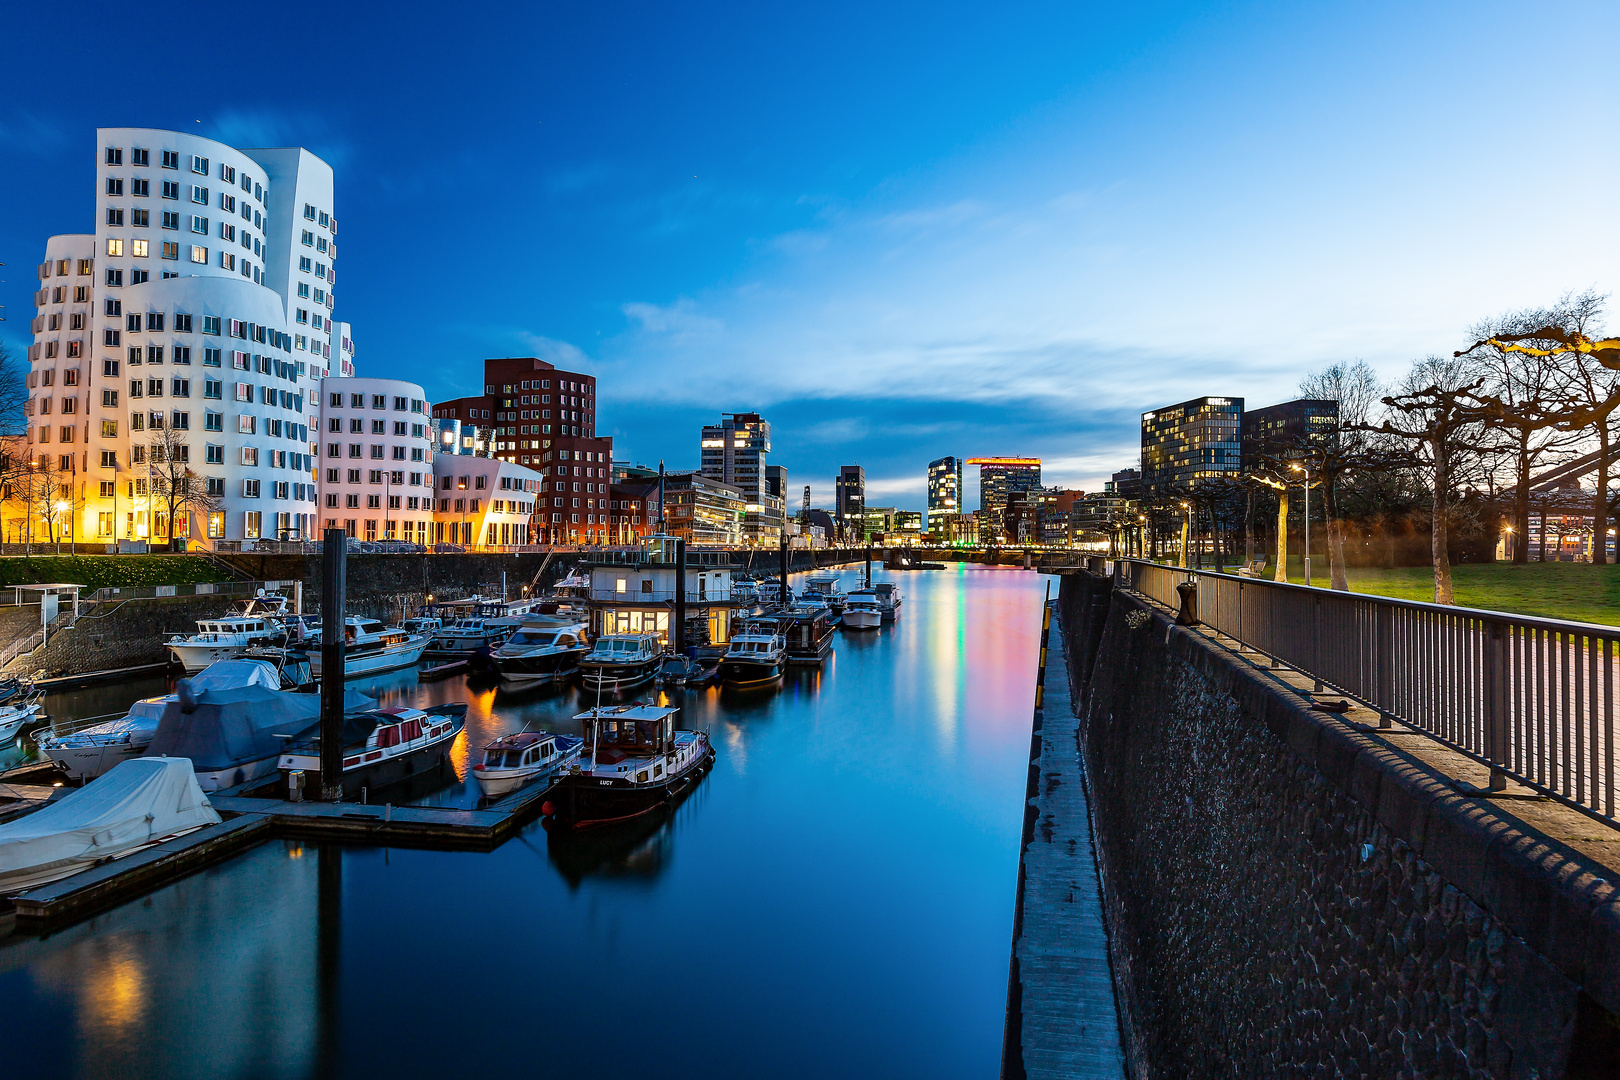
373 663
233 775
538 668
196 657
861 620
582 800
88 762
616 677
747 675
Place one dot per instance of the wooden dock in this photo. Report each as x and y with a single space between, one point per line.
251 821
443 671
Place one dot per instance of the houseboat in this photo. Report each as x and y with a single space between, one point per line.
634 591
755 657
621 661
635 761
888 598
807 633
546 648
370 648
825 589
263 622
513 760
861 611
380 746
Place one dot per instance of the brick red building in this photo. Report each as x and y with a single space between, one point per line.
545 418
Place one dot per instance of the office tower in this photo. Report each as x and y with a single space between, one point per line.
734 452
178 349
545 418
1194 441
849 493
944 491
1000 478
1289 429
377 457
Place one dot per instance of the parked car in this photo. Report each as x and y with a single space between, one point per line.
395 546
448 549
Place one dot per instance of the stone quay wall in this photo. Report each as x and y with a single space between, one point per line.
119 634
1289 895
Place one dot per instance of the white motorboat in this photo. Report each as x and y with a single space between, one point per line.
544 649
85 751
513 760
422 624
621 661
861 611
888 598
15 715
824 590
370 648
755 657
263 622
463 637
141 803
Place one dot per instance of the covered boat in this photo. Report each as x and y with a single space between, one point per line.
235 735
85 752
142 802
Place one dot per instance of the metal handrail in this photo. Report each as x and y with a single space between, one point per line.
1532 697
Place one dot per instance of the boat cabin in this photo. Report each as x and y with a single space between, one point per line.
524 750
550 634
629 731
626 648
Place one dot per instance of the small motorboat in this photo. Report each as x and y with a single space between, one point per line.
635 761
263 621
621 661
686 671
140 804
754 658
861 611
826 590
10 688
513 760
546 648
16 715
463 637
380 746
371 648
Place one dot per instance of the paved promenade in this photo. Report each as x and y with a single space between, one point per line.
1064 1020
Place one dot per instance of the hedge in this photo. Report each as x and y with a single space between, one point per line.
103 571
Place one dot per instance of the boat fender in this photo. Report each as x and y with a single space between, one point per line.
188 697
548 809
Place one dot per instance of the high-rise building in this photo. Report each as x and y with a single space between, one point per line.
849 493
1287 429
944 491
734 452
178 349
703 510
1000 478
377 461
545 418
1195 441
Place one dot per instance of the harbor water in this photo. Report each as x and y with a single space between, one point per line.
834 899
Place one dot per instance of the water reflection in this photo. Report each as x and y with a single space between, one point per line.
833 899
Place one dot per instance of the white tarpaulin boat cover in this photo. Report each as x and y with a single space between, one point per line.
136 803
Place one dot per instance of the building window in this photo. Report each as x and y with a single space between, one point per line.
199 254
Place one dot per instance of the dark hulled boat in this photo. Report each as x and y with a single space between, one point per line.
380 746
807 634
635 762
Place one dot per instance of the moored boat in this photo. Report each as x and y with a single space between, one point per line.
888 598
546 648
635 761
807 633
755 657
861 611
263 622
513 760
621 661
380 746
824 589
370 648
16 715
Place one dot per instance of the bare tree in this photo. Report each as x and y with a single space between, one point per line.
13 391
181 491
1356 390
1435 416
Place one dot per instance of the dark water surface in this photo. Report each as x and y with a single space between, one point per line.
835 899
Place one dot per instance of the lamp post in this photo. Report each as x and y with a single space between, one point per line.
1306 472
1186 532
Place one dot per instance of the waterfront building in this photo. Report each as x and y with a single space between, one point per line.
634 592
734 452
179 347
544 417
483 501
958 529
377 459
1286 430
628 501
849 493
908 522
702 510
1191 442
1058 517
1126 484
1000 478
944 490
875 521
458 437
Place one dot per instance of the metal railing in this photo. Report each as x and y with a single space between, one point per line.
203 588
1532 698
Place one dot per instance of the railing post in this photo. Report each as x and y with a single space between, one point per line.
1496 704
1384 658
1316 642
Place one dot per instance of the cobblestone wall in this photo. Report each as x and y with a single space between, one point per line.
1289 897
120 635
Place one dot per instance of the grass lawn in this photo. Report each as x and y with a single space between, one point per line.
99 571
1554 590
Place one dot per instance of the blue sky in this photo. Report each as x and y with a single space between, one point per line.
902 233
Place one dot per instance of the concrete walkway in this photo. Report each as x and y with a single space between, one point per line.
1062 1019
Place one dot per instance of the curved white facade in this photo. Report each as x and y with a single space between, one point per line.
192 328
376 461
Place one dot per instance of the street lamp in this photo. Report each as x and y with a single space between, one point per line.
60 507
1186 531
1306 472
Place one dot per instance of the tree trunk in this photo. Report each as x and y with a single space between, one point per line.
1437 528
1282 536
1248 528
1335 536
1521 502
1542 556
1600 502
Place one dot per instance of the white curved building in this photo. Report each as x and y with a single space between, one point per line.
376 463
192 329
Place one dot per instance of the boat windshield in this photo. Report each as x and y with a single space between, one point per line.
536 637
